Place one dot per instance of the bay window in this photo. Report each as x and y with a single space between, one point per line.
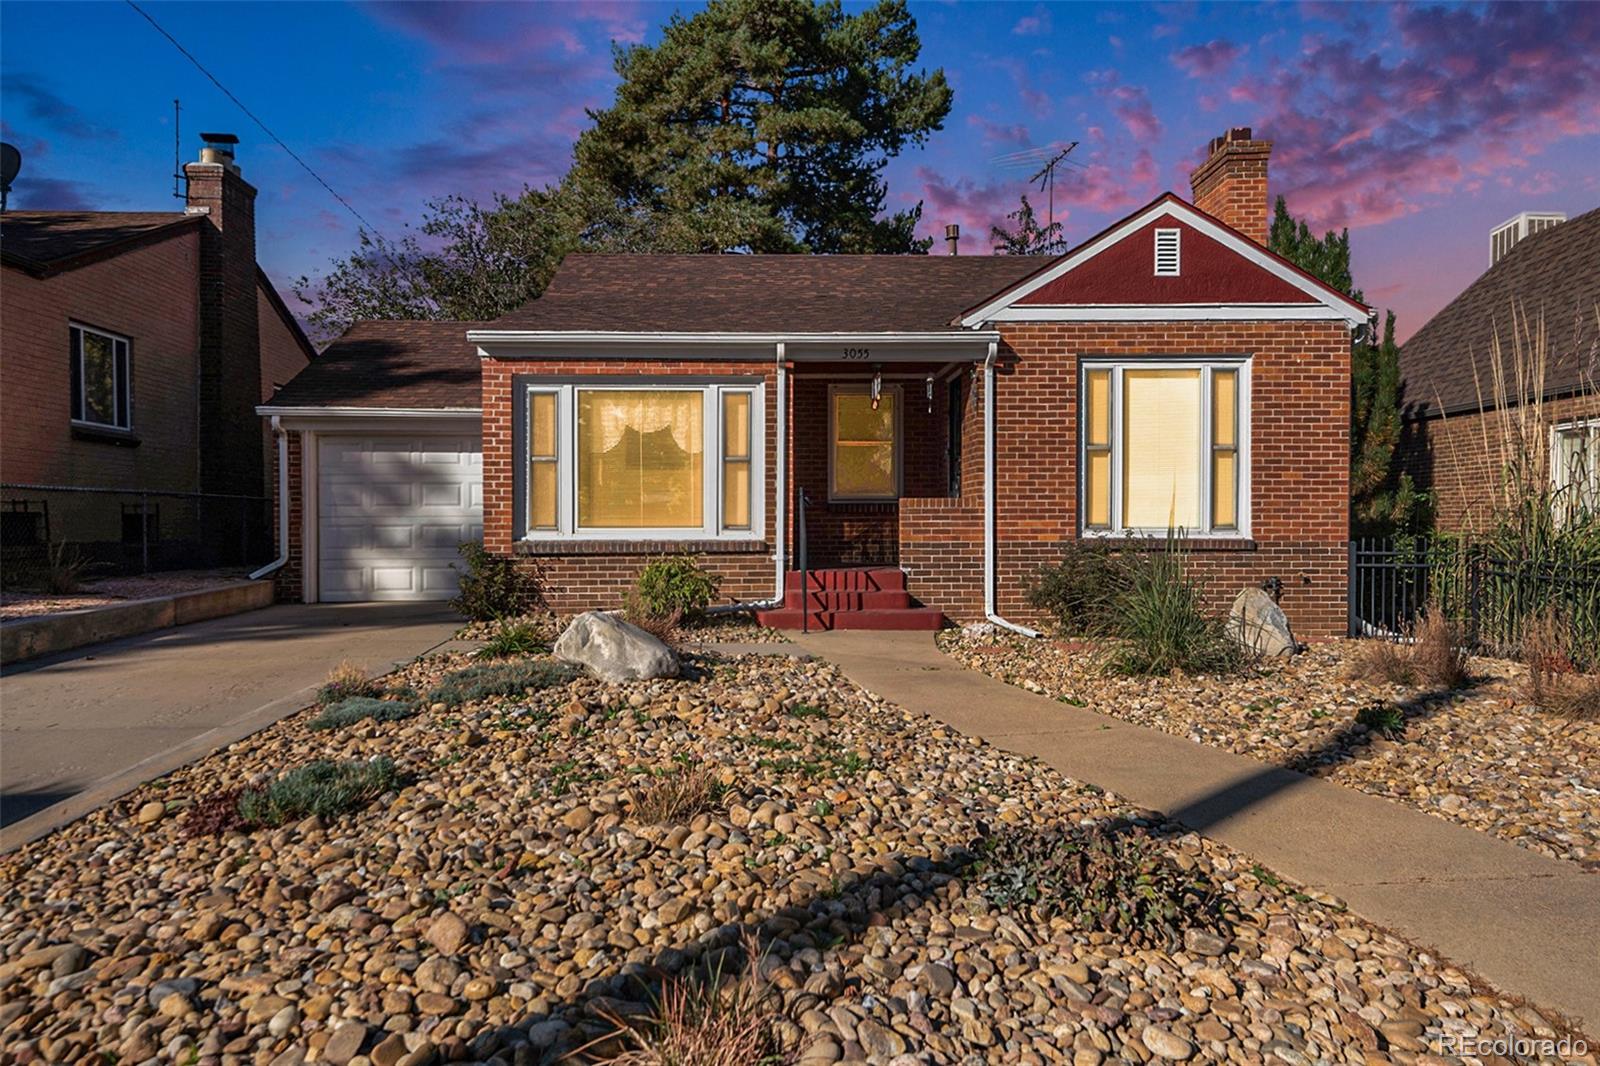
1164 446
667 460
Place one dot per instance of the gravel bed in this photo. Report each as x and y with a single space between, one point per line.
1482 756
503 901
104 592
716 629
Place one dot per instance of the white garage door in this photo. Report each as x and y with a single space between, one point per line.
390 513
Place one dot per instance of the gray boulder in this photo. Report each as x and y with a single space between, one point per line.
1257 622
614 650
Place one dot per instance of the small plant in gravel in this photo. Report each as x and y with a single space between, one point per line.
1439 652
361 708
678 796
346 681
1554 682
662 625
511 638
676 583
323 788
1118 881
214 814
1382 661
494 586
499 679
1162 621
1080 591
1383 718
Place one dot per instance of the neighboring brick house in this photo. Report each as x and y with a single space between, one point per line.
134 348
1527 332
948 423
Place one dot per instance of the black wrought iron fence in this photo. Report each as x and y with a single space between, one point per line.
1490 596
50 530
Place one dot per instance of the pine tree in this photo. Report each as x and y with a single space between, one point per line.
1382 499
761 125
1028 237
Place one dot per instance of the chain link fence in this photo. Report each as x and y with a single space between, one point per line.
53 534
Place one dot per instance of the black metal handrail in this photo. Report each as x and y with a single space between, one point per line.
801 499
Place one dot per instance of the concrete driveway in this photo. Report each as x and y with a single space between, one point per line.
83 727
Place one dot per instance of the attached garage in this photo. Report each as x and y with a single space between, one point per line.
391 512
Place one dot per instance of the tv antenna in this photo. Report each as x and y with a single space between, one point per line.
177 150
1043 162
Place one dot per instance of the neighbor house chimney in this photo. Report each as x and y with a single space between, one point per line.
1231 185
952 237
230 451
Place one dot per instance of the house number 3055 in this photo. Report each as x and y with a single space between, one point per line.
858 353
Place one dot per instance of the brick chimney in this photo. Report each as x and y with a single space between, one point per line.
230 338
1231 184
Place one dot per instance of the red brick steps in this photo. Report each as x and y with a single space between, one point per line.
850 598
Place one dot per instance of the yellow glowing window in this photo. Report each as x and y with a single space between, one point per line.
736 460
640 459
1097 449
1224 449
864 452
543 461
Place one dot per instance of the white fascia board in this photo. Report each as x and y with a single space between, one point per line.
370 412
377 419
1349 310
965 344
1175 313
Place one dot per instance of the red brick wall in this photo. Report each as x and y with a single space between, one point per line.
941 551
147 294
583 575
1461 460
1231 185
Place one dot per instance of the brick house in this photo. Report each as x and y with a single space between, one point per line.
136 346
927 430
1458 439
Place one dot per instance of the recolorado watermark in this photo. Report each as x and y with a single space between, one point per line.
1514 1044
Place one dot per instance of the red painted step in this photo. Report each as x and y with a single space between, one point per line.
850 579
865 597
902 618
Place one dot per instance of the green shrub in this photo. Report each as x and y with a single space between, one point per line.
322 788
512 638
499 679
494 586
675 584
360 708
1160 616
1383 718
1120 882
1079 591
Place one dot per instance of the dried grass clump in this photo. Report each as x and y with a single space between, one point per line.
1434 655
660 623
677 797
346 681
1554 682
718 1020
1382 661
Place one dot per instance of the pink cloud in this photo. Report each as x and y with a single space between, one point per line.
1206 60
1034 25
992 134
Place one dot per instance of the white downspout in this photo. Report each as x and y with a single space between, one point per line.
990 568
780 511
283 504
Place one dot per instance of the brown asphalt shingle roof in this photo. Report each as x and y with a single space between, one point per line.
44 242
421 365
766 293
1556 273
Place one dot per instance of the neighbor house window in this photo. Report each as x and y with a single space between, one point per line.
1575 466
1164 447
100 378
663 461
864 460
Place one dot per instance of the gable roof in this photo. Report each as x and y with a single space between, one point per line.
764 293
50 242
412 365
1285 292
1554 273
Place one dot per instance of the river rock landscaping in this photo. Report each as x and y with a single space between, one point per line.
1481 756
549 849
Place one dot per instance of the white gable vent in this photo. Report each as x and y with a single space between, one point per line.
1167 245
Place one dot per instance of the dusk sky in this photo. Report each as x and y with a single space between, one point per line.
1419 127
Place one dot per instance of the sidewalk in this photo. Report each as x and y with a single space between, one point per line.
1527 923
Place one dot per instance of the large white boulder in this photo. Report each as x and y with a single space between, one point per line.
1257 622
615 650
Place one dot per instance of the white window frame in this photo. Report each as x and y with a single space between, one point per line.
1589 426
1176 236
124 396
1206 365
567 528
899 442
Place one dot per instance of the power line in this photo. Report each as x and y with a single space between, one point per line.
252 116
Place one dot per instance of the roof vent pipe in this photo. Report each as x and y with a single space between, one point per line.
952 237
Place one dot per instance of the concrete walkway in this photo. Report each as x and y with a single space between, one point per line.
81 728
1527 923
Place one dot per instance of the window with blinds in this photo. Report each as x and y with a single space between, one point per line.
1162 448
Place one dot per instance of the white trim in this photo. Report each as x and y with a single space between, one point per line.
1172 313
628 337
123 395
567 528
1242 448
835 389
953 345
371 412
1167 207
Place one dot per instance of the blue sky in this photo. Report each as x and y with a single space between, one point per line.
1419 127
